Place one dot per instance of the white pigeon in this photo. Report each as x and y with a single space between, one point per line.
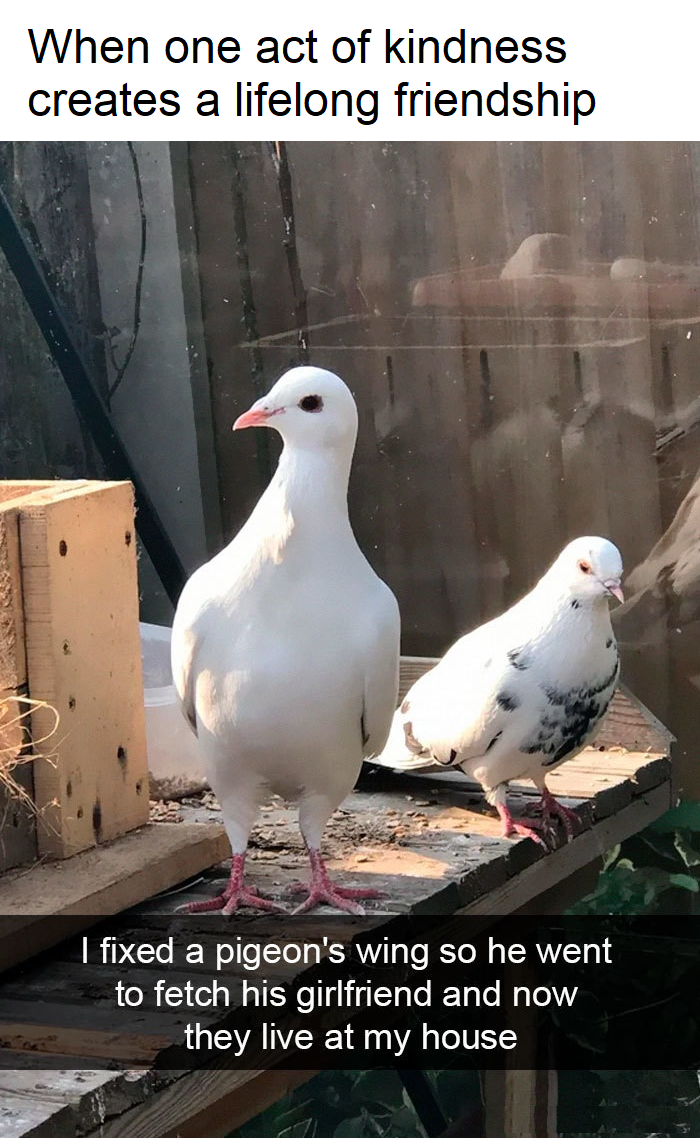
521 694
285 646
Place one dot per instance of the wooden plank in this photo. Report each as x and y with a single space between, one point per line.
83 658
13 658
204 1101
215 1103
36 1104
195 1103
18 842
18 834
585 847
116 1046
63 1103
71 981
631 725
564 894
509 1104
582 779
430 849
100 882
16 495
423 871
18 488
431 870
23 1116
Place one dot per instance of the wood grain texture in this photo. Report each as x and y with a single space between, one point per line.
486 878
429 844
83 658
99 882
518 890
11 488
13 658
18 841
214 1103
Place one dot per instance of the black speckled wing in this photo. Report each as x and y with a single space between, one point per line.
570 718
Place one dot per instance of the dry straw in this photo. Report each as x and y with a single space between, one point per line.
17 747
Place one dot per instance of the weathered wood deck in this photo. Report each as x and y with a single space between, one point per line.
426 840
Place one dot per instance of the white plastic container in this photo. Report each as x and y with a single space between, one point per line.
174 766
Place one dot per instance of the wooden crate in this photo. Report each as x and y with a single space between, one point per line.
70 637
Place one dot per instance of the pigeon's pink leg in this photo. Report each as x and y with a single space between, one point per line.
568 817
512 827
323 891
234 895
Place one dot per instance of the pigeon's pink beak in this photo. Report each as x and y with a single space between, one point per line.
614 589
256 417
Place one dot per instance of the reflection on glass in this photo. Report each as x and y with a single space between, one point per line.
520 324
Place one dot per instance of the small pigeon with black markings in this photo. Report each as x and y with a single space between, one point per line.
285 648
520 695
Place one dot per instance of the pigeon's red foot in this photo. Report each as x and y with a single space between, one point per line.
549 807
322 891
510 826
235 895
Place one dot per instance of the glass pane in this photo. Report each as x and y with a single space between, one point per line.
518 322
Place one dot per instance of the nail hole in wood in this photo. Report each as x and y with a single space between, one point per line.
71 703
66 648
97 817
62 548
69 789
138 786
121 755
79 812
127 537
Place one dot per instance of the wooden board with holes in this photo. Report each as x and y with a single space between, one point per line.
79 626
83 658
13 658
18 841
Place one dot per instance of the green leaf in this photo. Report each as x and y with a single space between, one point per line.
404 1122
382 1087
661 844
683 841
684 881
685 816
350 1128
611 856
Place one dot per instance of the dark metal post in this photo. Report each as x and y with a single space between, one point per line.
88 402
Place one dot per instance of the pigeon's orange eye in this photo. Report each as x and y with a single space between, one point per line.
311 403
584 566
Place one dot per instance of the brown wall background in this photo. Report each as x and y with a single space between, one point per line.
498 417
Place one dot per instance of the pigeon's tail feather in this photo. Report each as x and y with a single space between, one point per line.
401 752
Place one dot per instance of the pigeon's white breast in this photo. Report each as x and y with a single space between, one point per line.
280 664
